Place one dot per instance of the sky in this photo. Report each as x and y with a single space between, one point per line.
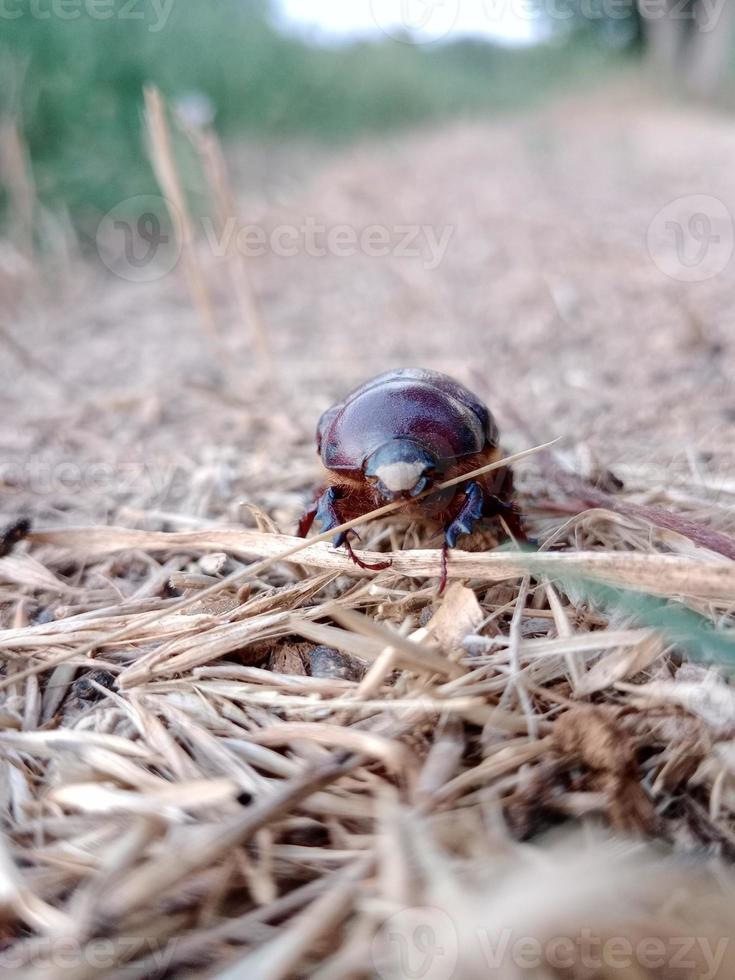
427 20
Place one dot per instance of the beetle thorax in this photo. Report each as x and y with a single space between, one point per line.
398 477
400 466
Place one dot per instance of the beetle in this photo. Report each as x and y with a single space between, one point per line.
397 436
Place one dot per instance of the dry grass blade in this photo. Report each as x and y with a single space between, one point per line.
657 574
413 655
158 876
164 165
279 958
17 179
215 168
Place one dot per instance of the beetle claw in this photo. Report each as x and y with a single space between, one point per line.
512 516
307 519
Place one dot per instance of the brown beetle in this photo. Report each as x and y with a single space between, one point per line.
395 437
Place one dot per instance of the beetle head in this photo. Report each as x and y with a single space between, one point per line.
401 468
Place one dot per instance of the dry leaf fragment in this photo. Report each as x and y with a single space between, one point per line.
619 664
594 738
458 615
710 699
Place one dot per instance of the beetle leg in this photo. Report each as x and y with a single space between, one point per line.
471 512
496 507
328 515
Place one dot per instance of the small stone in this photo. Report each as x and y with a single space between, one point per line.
84 688
12 534
45 615
327 662
535 627
214 564
287 660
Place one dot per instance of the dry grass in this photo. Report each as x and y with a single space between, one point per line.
187 780
226 752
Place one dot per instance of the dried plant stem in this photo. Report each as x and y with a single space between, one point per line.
215 168
653 573
279 958
164 165
17 177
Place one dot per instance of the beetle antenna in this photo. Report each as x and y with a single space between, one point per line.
378 567
444 567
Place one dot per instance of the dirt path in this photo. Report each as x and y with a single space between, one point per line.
536 285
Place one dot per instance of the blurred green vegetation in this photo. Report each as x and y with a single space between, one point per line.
77 86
